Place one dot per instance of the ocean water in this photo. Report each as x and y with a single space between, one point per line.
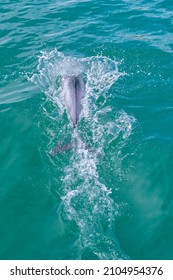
113 199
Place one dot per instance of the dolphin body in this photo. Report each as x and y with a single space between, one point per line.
73 90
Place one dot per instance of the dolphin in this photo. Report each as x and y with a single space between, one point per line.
74 90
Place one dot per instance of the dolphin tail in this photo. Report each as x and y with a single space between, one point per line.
59 148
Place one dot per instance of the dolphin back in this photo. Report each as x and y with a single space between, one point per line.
74 91
80 92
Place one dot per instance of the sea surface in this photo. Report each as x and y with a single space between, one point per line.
111 195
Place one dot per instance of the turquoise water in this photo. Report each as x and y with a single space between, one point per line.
113 200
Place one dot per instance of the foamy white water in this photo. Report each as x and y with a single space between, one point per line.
86 200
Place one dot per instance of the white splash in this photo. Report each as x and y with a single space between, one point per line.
85 198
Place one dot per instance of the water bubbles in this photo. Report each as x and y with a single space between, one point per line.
124 123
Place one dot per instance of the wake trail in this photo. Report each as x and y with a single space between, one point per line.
86 198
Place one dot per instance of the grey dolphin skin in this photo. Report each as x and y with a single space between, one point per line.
74 91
